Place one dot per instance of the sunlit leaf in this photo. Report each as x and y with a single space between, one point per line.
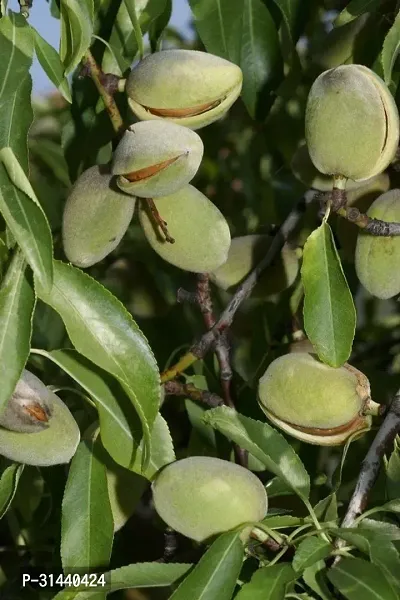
17 302
329 313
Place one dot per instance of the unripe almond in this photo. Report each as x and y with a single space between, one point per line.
200 231
156 158
96 217
352 123
314 402
201 497
244 254
53 444
188 87
377 258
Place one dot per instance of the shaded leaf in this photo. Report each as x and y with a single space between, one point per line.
391 49
133 576
29 227
265 443
282 521
356 578
315 578
76 31
310 551
101 329
329 312
243 32
393 474
8 486
354 9
51 154
87 527
159 25
120 430
51 64
17 302
268 583
214 577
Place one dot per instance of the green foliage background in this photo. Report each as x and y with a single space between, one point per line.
64 323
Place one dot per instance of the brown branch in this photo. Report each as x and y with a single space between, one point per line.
202 346
97 75
372 226
176 388
371 464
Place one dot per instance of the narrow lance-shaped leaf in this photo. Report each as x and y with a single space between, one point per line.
268 583
16 115
356 578
354 9
391 49
8 486
329 312
87 527
265 443
17 302
137 575
51 64
76 31
244 32
216 573
101 329
28 224
120 431
310 551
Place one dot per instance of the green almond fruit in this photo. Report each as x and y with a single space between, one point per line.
30 406
201 233
377 258
188 87
51 445
361 198
201 497
96 217
352 123
156 158
244 254
314 402
305 171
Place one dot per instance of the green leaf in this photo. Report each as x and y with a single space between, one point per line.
315 578
8 486
391 49
87 527
356 578
159 25
76 31
101 329
29 227
16 115
268 583
119 427
243 32
354 9
52 65
329 313
393 474
265 443
278 487
310 551
52 155
214 577
282 521
123 40
17 302
293 13
138 575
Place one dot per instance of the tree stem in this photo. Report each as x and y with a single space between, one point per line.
109 102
